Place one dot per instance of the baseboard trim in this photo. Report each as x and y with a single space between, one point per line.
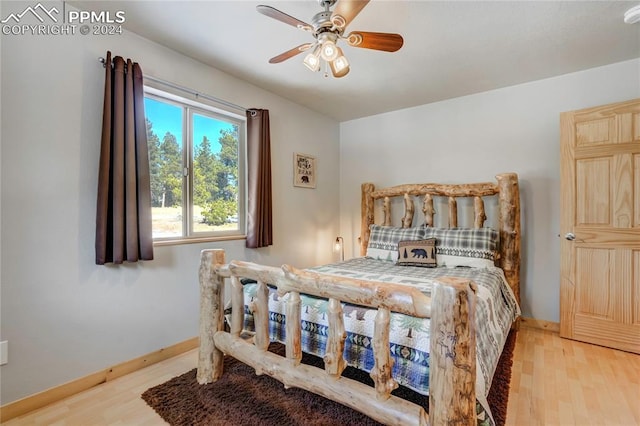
540 324
57 393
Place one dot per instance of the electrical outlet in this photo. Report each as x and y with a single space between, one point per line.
4 352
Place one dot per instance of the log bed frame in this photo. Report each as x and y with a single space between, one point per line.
452 394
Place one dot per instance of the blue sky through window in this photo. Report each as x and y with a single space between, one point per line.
166 117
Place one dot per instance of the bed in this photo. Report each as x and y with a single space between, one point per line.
436 330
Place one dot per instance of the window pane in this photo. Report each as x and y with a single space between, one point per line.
215 174
188 136
164 137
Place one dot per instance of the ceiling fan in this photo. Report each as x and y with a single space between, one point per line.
327 28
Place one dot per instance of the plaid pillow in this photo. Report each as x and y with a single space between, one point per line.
465 246
417 253
383 240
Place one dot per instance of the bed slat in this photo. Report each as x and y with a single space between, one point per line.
453 212
407 220
237 306
260 308
387 211
428 210
293 328
334 362
381 372
478 209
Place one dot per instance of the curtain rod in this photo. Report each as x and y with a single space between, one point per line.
187 90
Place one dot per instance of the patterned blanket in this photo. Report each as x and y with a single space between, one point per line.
496 309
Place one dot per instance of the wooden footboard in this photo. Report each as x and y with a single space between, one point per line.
452 353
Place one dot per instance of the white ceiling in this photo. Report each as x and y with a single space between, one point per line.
451 48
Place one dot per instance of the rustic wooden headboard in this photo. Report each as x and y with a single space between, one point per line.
506 188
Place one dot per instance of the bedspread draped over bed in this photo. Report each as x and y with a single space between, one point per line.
496 310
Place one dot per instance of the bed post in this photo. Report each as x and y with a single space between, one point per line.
452 355
210 359
509 200
366 219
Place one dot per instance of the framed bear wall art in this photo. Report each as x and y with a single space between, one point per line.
304 170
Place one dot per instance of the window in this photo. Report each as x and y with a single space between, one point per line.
196 159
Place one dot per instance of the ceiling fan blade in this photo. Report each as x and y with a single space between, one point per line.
345 11
283 17
378 41
290 53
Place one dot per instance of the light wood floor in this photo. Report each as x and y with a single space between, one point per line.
554 382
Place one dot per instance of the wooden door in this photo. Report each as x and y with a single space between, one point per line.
600 225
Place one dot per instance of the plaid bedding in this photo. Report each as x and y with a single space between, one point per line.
409 337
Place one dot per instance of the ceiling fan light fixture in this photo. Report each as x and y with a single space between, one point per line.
340 66
327 28
329 50
312 60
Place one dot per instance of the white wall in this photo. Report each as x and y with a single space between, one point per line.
515 129
65 317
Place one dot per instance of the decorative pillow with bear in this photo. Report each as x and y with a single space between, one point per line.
417 253
383 240
465 246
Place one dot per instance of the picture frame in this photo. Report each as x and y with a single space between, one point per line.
304 170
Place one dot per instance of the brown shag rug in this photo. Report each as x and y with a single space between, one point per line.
242 398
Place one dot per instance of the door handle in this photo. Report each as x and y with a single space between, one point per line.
569 236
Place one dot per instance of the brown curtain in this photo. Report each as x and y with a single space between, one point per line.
123 214
259 223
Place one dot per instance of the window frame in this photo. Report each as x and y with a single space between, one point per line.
209 109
